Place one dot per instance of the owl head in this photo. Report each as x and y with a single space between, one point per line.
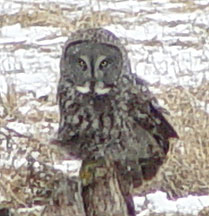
94 61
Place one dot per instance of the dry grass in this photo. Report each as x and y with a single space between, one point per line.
186 171
54 16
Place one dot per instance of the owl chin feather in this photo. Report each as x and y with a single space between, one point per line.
97 88
83 89
102 91
98 91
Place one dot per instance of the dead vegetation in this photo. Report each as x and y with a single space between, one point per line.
186 170
54 15
25 186
187 166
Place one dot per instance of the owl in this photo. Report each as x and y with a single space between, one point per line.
108 111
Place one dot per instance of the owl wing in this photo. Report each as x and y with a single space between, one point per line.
152 129
150 116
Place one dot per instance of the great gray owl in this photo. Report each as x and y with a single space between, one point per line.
106 110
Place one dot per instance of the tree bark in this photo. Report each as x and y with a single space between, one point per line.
101 190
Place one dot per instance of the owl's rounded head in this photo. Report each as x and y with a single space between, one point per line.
93 61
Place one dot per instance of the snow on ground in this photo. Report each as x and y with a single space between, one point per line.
188 205
29 75
35 66
159 203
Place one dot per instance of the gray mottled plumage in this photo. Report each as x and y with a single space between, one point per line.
107 110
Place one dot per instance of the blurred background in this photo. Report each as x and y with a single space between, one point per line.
168 45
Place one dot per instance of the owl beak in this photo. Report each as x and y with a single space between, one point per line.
93 87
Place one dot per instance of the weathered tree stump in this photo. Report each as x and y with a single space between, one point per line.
101 191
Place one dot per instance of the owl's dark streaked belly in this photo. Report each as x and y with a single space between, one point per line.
92 124
98 126
106 126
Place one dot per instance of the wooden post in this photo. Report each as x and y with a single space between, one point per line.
101 190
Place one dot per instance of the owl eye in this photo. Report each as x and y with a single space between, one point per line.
104 64
82 64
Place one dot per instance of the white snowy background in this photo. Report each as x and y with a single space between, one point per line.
29 59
